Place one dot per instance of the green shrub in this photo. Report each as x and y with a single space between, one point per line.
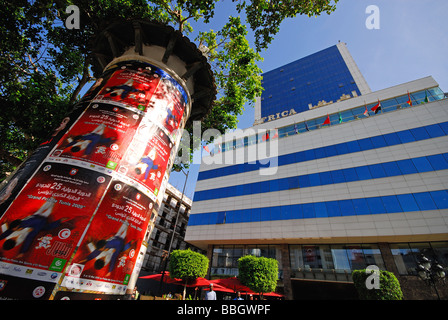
389 287
188 265
260 274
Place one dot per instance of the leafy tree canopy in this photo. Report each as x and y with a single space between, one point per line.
44 65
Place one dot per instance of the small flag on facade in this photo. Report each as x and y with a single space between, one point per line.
327 121
306 127
366 113
206 149
266 137
340 118
376 107
409 102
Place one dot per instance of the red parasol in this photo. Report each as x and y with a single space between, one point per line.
199 282
235 284
232 283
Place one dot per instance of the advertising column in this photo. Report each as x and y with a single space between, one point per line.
75 229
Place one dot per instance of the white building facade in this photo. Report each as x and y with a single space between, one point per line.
369 188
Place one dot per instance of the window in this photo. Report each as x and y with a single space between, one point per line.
308 210
353 146
296 211
337 176
377 171
391 204
314 179
275 213
340 258
422 164
388 105
405 136
440 198
332 262
356 257
436 93
320 209
363 173
434 131
407 202
346 207
325 178
286 212
425 201
372 255
255 215
365 144
350 174
378 141
360 206
403 257
304 181
438 162
333 209
221 217
392 139
420 133
406 166
391 169
440 250
375 205
293 182
265 214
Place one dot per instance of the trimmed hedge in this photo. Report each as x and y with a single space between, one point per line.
260 274
389 287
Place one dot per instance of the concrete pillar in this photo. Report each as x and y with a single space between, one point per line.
286 264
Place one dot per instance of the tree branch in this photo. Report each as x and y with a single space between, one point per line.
85 78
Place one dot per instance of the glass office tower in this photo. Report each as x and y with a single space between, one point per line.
360 179
325 76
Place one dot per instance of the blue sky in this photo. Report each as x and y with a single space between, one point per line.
410 44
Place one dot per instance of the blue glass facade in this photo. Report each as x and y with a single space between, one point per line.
407 202
421 201
321 76
379 141
374 171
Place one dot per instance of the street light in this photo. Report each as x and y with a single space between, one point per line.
167 255
431 272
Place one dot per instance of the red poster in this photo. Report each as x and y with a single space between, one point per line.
101 135
110 248
44 224
167 105
130 85
147 158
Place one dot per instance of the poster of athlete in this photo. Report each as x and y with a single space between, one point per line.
107 254
147 157
167 104
131 85
100 136
41 229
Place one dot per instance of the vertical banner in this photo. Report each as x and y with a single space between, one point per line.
77 226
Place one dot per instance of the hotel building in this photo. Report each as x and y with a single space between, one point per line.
349 178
